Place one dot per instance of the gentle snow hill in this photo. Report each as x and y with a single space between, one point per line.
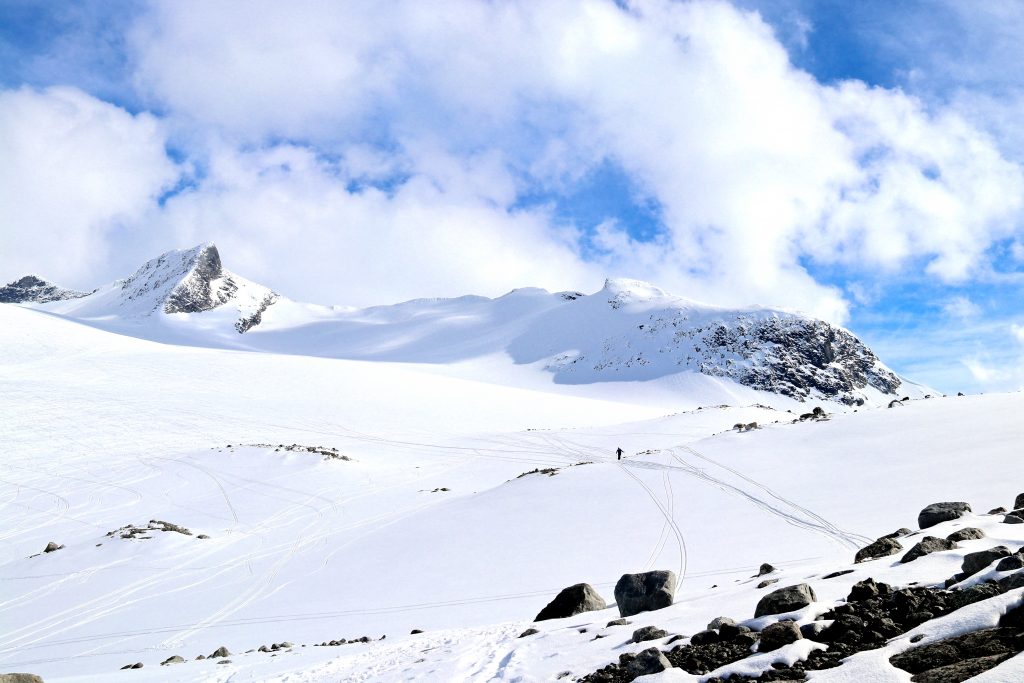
427 524
628 332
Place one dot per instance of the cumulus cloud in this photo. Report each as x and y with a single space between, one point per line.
387 149
75 171
757 168
961 308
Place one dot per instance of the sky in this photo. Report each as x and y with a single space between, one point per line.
860 162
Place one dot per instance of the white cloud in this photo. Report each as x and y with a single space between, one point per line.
757 167
74 171
1018 332
961 308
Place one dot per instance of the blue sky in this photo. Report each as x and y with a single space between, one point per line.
858 161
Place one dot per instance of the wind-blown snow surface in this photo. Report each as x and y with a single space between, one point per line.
100 431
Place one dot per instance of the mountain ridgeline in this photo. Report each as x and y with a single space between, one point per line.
629 331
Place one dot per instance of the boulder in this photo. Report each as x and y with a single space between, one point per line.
650 661
618 622
778 634
718 622
788 599
899 533
1018 502
1013 519
572 601
975 562
960 657
221 651
937 513
1007 564
645 592
866 589
765 569
883 547
174 659
52 546
1015 580
813 630
20 678
729 632
648 633
966 534
705 637
528 632
927 546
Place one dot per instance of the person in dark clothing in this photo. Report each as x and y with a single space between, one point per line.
618 452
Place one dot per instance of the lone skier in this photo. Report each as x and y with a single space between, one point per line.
618 452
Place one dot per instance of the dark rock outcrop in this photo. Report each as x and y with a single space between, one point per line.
778 634
788 599
572 601
927 546
966 534
883 547
645 592
650 661
975 562
957 659
937 513
36 290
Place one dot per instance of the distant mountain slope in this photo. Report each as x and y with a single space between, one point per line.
628 331
31 289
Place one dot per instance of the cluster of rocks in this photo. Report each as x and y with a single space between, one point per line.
872 614
347 641
550 471
143 532
328 452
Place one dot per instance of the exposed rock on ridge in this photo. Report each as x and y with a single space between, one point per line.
33 289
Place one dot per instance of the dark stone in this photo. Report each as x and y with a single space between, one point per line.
705 637
868 588
618 622
883 547
1013 519
837 574
1010 563
648 633
812 630
927 546
52 546
788 599
175 659
1014 618
778 634
730 631
528 632
975 562
221 652
645 592
997 511
650 661
415 631
765 569
767 582
1018 502
955 659
899 533
937 513
572 601
966 534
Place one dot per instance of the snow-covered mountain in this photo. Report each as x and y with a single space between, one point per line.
31 289
629 331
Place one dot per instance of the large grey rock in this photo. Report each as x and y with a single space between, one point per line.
1015 580
883 547
645 592
20 678
221 651
966 534
1013 519
937 513
174 659
719 622
927 546
975 562
788 599
778 634
645 633
1007 564
572 601
650 661
1018 503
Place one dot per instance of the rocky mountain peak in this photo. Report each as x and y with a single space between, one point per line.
32 289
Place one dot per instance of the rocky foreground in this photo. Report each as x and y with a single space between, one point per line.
951 631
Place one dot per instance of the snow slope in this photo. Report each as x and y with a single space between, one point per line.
627 332
427 523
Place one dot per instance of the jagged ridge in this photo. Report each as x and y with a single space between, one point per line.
31 289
